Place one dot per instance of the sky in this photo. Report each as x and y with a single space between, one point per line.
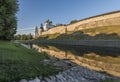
34 12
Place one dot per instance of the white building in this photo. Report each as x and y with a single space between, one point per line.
47 25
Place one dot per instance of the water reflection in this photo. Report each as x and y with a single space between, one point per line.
97 58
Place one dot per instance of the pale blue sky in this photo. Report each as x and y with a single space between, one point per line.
35 12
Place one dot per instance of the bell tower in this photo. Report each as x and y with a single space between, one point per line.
36 32
41 29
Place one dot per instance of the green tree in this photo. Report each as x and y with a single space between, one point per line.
30 36
8 20
73 21
17 37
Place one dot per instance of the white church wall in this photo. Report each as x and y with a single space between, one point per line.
47 26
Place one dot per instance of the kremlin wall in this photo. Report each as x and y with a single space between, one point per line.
107 19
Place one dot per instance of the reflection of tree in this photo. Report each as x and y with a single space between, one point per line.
66 54
81 50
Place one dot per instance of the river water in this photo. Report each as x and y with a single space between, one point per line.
96 58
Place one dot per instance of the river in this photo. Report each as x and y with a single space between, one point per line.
101 59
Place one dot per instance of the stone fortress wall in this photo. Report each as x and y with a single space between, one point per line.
107 19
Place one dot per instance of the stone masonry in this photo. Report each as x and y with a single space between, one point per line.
75 74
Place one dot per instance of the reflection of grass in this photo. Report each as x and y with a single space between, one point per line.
50 48
17 62
54 48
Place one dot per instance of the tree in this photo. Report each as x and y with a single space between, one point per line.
29 36
23 37
8 20
17 37
73 21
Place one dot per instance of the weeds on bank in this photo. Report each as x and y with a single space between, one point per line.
17 62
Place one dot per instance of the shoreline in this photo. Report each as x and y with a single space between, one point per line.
60 76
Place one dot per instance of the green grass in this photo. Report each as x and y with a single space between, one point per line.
49 36
110 80
17 62
104 29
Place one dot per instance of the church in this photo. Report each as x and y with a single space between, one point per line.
47 25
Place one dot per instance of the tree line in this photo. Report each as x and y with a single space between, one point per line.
23 37
8 20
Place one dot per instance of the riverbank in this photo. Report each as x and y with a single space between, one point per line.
17 62
26 65
76 74
90 57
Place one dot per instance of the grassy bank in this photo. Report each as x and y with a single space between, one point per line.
17 62
97 33
103 30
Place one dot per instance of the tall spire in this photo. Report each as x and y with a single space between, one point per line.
36 32
41 27
41 30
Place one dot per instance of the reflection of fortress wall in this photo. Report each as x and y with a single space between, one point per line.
89 63
92 22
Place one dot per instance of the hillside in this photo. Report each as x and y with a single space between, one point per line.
97 33
104 26
104 29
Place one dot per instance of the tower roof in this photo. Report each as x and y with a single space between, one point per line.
48 21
